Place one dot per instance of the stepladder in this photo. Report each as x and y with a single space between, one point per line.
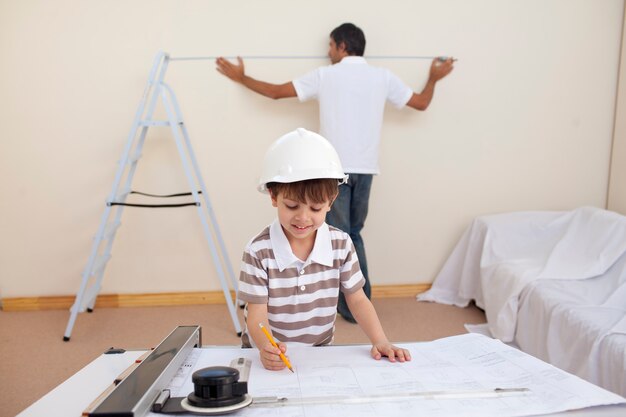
156 93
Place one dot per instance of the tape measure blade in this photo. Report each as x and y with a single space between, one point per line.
243 365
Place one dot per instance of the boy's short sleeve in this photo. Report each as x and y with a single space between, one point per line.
350 275
252 278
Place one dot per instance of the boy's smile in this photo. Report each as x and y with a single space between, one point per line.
301 229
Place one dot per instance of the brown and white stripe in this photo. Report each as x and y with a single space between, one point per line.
301 297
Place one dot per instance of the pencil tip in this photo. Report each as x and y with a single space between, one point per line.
291 370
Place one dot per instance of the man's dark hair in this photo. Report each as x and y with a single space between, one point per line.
351 36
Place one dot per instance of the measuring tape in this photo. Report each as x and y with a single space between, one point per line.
306 57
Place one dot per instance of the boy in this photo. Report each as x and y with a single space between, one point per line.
292 271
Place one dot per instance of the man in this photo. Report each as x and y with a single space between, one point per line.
352 97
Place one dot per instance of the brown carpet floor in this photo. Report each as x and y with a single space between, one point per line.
34 359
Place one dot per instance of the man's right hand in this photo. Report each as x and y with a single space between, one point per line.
237 73
232 71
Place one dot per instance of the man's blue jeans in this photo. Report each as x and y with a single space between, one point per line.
348 213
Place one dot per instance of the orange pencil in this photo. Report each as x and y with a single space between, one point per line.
271 339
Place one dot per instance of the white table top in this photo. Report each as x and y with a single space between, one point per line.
73 396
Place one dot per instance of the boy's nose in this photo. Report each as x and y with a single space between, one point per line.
301 214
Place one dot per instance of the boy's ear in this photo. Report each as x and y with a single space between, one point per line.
274 201
332 200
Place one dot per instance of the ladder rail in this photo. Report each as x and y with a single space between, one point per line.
205 194
159 62
74 310
150 96
175 123
154 87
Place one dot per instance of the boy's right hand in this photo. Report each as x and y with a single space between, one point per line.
270 356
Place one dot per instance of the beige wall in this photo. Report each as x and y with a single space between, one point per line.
617 183
525 122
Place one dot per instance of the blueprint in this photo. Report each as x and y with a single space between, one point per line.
467 363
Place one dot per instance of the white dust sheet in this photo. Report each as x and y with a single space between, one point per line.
499 255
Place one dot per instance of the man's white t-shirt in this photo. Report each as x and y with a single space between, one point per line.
352 96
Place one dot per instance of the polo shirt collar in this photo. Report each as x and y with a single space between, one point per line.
322 252
353 59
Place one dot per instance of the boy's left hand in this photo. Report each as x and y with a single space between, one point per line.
394 353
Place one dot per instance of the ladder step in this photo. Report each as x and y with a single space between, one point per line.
123 194
158 122
134 158
154 123
99 265
131 159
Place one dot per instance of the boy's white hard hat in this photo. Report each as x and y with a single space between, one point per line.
300 155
